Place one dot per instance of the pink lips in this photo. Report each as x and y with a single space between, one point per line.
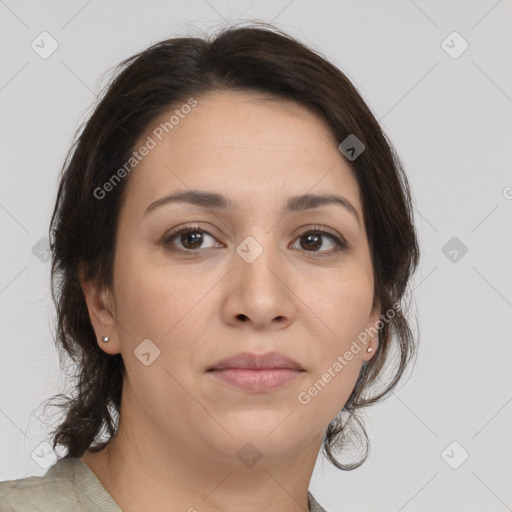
257 373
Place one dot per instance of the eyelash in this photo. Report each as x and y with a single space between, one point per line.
341 244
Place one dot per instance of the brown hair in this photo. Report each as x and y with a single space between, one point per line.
83 228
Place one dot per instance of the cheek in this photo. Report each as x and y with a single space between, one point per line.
166 306
339 304
153 299
155 305
342 306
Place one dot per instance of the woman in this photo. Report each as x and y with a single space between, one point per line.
231 243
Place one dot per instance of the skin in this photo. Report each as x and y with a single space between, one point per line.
180 428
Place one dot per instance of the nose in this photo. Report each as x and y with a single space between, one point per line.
259 292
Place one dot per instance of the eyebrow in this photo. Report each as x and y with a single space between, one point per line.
212 200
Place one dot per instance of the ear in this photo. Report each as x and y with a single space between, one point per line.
373 337
102 315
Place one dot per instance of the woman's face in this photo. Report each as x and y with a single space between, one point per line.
244 279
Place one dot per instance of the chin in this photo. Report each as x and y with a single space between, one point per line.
269 433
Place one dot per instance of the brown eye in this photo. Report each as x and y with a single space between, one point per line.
190 238
313 240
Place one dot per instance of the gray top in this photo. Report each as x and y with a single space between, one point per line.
69 485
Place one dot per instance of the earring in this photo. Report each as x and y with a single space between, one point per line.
369 349
105 339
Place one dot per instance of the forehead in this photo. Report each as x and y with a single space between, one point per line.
245 145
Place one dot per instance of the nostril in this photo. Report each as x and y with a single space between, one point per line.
242 317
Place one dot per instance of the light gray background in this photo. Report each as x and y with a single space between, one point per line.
449 119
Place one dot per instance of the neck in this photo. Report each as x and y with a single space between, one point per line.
145 469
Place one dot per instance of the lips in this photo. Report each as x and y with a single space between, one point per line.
248 361
256 373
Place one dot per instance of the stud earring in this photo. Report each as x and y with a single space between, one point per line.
105 339
369 349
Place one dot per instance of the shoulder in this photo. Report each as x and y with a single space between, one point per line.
55 490
68 485
314 506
